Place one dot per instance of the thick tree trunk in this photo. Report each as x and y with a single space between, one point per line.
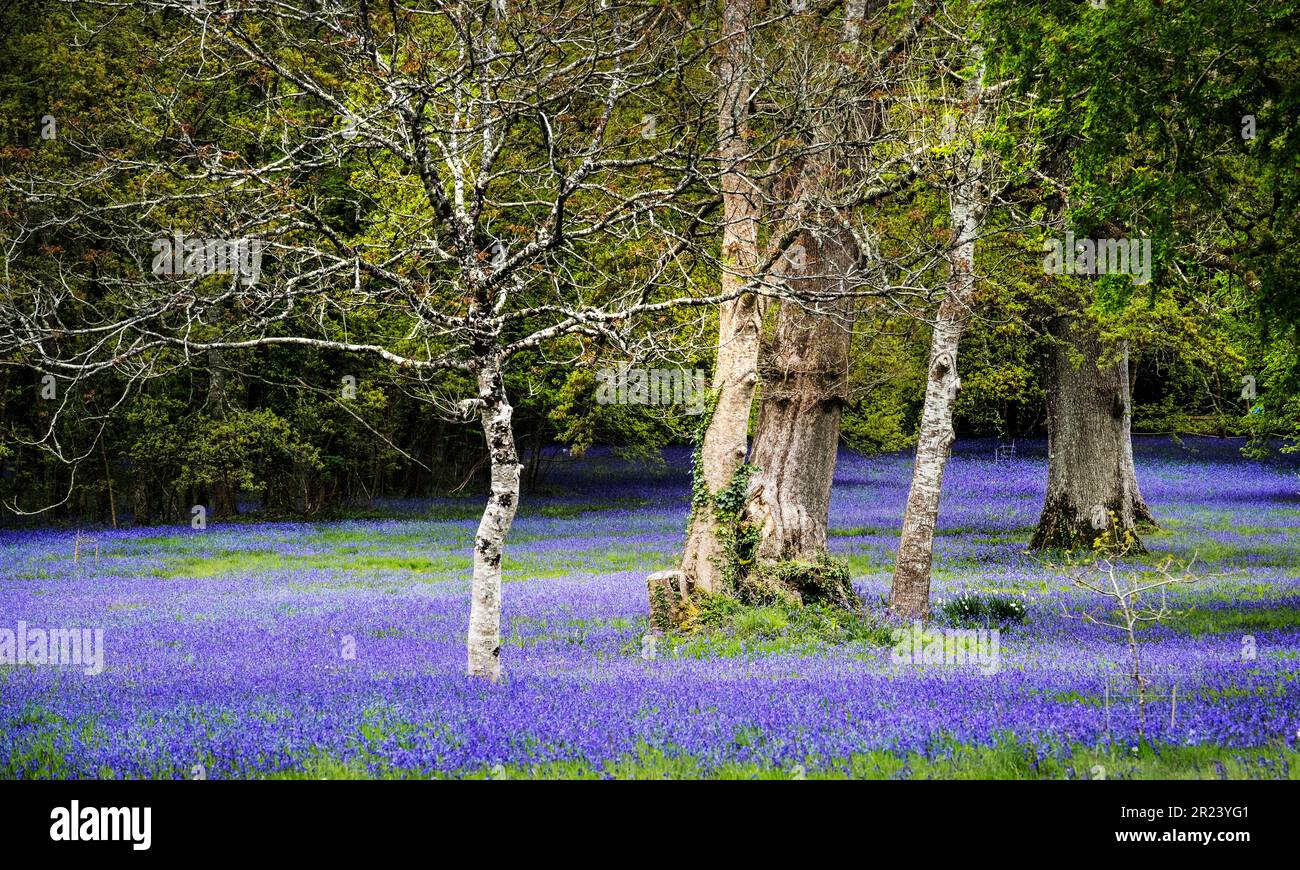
967 205
1090 475
726 439
805 375
805 385
485 591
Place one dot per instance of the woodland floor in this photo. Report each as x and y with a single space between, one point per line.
225 648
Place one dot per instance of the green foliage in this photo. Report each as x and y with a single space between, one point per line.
1143 103
1123 113
972 610
232 451
726 628
737 537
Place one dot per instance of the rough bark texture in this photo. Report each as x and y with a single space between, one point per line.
967 205
805 384
215 404
485 591
805 376
141 509
1090 476
726 440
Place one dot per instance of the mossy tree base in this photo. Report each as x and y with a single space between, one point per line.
1064 527
671 595
825 581
675 603
742 575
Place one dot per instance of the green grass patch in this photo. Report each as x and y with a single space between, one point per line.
1199 623
257 561
1005 760
728 629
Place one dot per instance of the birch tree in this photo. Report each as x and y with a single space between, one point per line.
969 194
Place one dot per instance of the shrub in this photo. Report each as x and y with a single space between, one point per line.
972 610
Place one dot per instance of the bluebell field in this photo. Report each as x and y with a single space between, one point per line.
259 649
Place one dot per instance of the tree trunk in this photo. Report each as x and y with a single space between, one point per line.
485 591
726 439
805 385
215 404
805 376
967 204
1090 473
910 593
108 482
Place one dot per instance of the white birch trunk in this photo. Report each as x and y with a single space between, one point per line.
967 204
485 589
910 594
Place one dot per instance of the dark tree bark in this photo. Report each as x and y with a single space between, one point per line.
141 506
225 501
804 377
1090 478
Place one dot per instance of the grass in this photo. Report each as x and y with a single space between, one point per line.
1006 759
730 630
1199 623
247 562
